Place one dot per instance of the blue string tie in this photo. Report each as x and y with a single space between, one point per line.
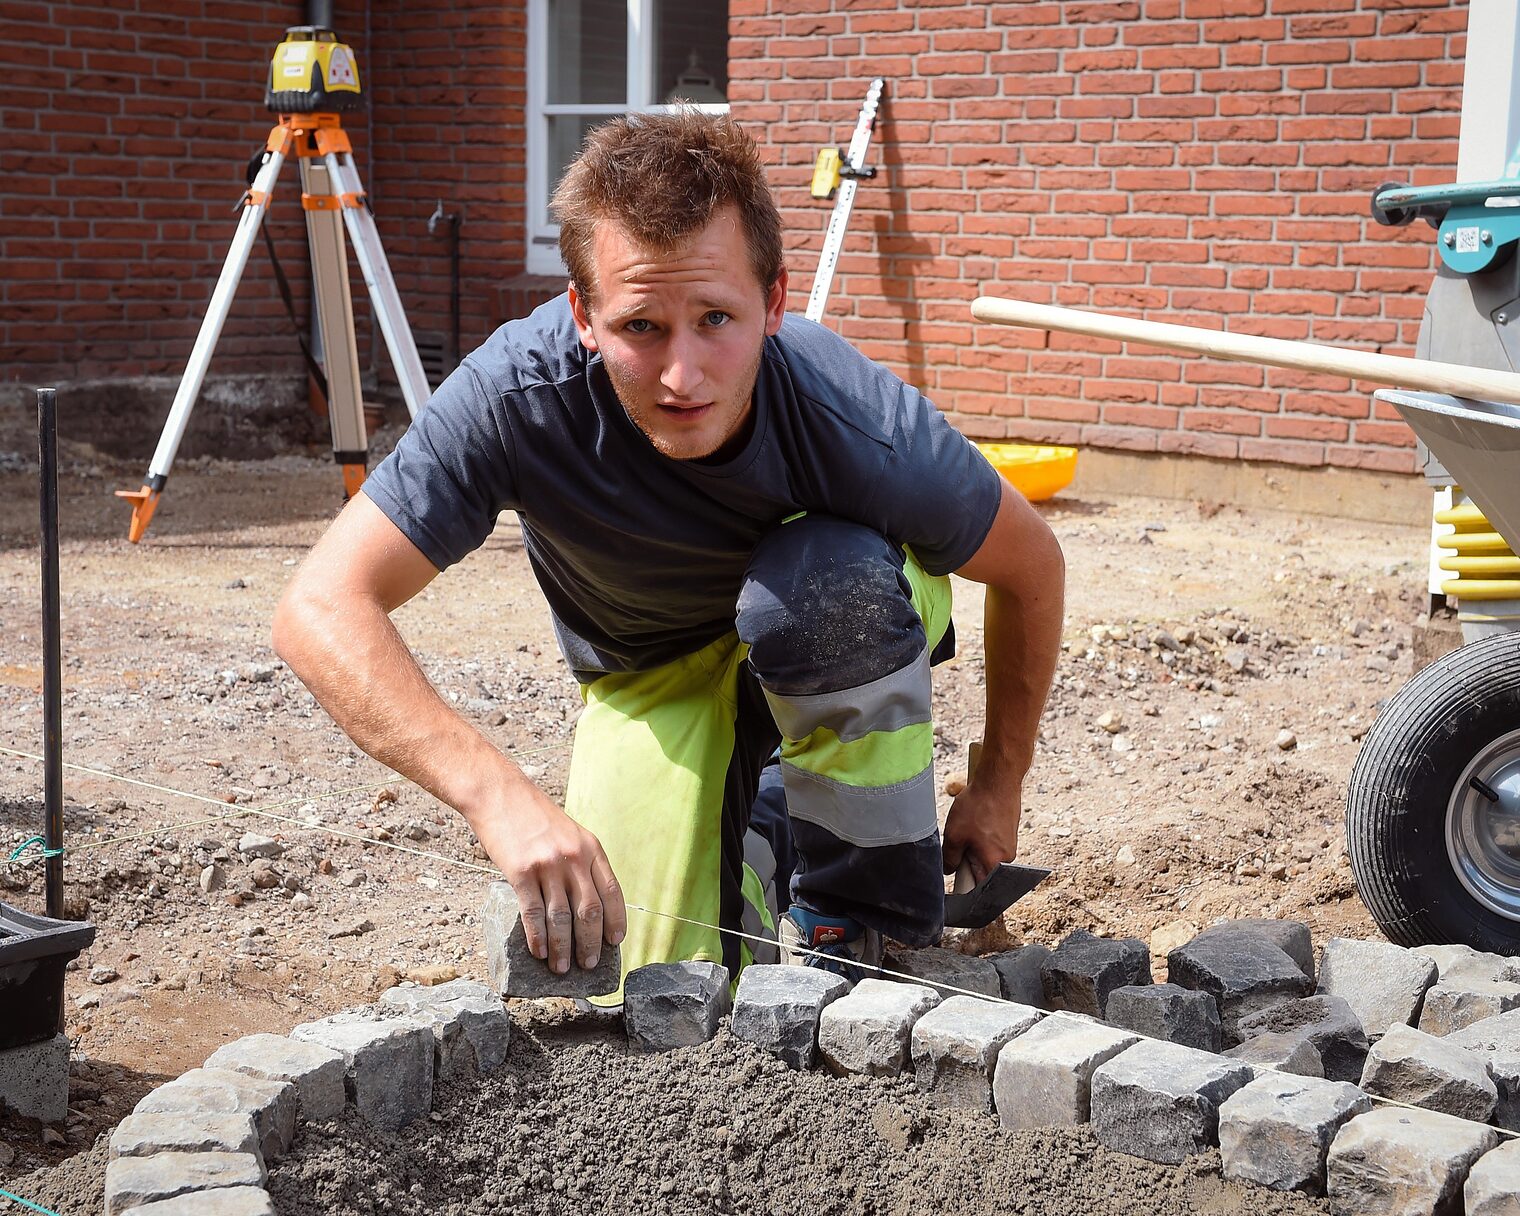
40 842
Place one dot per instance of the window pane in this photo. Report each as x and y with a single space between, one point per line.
566 132
691 51
588 52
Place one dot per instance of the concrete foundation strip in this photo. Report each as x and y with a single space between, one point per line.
230 1169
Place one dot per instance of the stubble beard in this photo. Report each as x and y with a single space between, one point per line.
732 412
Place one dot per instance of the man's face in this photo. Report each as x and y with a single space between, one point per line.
680 332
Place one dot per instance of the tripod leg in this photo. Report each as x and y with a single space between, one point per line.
256 205
335 318
377 278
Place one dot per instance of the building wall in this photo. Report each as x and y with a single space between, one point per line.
128 129
1202 161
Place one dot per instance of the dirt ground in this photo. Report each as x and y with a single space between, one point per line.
1220 667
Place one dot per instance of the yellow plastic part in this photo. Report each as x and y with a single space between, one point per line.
825 173
1037 472
1485 567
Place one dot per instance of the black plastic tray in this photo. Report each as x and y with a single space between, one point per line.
33 953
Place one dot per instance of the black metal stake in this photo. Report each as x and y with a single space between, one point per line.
52 674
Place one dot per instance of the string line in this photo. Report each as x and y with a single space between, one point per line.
27 1203
632 907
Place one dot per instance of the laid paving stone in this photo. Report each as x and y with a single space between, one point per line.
388 1065
1411 1066
870 1028
185 1132
1280 1052
670 1005
226 1201
271 1104
1084 969
471 1029
315 1071
955 1048
1456 1003
1019 972
777 1007
134 1181
1325 1021
1245 973
947 972
1160 1101
1043 1077
512 969
1393 1162
1464 963
1497 1041
1276 1131
34 1079
1493 1185
1289 936
1166 1011
1384 984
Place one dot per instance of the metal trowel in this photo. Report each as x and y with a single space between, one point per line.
973 906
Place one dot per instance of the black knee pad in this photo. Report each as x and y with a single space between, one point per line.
826 606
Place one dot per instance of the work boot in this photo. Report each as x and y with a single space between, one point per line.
836 944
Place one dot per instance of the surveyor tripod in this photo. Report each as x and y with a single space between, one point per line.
330 187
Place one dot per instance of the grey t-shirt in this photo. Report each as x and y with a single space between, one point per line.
641 557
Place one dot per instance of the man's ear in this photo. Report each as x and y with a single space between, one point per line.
582 315
775 304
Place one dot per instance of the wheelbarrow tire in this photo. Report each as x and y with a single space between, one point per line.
1401 794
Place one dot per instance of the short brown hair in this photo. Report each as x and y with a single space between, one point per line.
660 177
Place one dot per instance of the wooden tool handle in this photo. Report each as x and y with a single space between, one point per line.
1452 378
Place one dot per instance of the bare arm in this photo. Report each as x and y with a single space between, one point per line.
333 628
1021 563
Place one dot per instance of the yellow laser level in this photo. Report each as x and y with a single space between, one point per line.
312 72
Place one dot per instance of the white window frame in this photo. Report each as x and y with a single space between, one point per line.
543 237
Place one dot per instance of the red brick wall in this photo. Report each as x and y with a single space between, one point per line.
128 127
1203 161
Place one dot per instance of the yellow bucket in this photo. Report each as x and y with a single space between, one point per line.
1036 472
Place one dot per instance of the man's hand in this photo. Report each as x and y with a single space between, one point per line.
333 627
982 829
569 898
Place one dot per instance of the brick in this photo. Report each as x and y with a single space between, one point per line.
955 1046
947 971
1244 972
778 1007
185 1132
1398 1162
1082 971
135 1181
225 1201
1043 1077
1019 974
1168 1012
388 1064
315 1071
1325 1021
869 1030
1384 984
670 1005
1460 1003
1161 1101
271 1104
1276 1131
513 969
471 1029
1493 1185
1419 1069
1280 1052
